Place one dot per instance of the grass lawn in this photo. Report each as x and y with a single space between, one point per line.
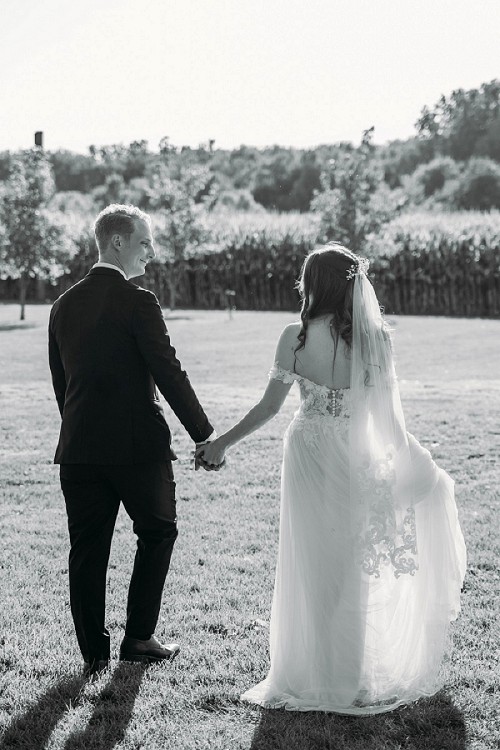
218 593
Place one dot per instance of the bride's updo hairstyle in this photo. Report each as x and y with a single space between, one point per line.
326 290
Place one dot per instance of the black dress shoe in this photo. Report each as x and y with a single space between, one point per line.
95 667
147 652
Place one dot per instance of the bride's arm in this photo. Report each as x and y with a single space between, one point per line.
264 410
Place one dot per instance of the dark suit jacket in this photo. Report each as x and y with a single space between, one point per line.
108 346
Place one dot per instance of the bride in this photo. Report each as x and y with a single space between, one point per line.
371 556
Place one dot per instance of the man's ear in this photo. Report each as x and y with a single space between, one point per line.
116 241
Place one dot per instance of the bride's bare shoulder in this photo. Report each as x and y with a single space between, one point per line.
292 328
288 342
290 334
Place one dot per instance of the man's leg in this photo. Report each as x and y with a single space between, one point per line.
148 495
92 506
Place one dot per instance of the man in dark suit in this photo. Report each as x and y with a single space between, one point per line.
109 351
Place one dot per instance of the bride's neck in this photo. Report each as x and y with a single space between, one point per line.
322 320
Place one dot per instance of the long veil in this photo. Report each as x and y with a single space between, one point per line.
381 472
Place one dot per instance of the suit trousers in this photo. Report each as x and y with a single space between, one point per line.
93 494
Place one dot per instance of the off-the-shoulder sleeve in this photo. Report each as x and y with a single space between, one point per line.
278 373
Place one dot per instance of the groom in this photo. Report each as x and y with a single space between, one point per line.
109 351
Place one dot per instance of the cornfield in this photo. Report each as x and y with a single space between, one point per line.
428 264
421 264
251 261
440 264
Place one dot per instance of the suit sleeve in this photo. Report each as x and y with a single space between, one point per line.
56 369
154 344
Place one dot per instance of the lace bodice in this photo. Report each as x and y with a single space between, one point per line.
315 400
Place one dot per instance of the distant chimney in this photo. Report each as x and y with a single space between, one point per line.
39 138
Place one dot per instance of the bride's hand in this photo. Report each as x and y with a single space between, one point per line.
211 455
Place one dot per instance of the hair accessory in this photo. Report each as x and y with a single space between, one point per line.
358 268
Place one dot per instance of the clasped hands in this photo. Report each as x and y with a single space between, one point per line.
209 456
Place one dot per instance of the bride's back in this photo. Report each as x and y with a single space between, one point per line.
316 360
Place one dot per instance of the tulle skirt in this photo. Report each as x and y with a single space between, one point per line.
342 640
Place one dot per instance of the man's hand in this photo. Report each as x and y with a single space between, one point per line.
210 455
197 453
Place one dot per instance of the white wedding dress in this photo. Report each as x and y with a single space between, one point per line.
348 636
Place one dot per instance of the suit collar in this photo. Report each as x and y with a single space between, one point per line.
103 271
112 266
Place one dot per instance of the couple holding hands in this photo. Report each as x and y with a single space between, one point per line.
371 557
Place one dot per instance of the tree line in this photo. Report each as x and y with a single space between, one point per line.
47 199
463 126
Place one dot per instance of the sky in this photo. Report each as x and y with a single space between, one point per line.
256 72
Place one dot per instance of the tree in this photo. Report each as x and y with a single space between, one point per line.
178 227
348 201
434 182
465 124
286 180
113 191
479 186
77 171
33 245
401 158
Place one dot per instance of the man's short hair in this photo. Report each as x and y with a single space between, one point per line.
117 219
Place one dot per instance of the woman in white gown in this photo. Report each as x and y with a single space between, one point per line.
371 556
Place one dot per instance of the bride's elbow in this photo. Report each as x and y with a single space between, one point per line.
270 409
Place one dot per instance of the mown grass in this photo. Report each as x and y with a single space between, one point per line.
218 592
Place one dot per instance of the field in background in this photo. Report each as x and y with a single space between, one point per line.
435 263
219 589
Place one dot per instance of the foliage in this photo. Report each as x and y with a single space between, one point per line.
5 159
425 225
401 158
85 253
72 203
439 264
237 166
33 245
462 125
258 256
113 191
78 172
348 205
239 200
465 124
286 180
177 222
479 186
225 228
433 183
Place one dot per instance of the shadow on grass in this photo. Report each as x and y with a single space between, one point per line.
112 711
106 727
32 729
16 326
430 724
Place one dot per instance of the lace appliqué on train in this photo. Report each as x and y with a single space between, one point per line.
383 540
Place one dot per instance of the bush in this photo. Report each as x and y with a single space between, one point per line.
239 200
479 186
434 182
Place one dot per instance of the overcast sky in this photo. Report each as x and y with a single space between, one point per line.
259 72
